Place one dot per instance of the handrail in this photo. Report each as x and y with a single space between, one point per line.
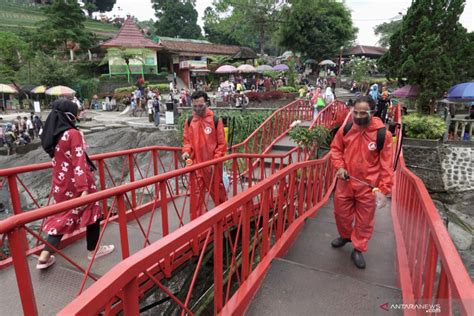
19 220
422 239
332 116
124 275
283 118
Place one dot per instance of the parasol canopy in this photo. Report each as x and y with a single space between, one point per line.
462 92
408 91
5 88
281 67
246 68
60 90
226 69
263 68
39 89
310 61
327 62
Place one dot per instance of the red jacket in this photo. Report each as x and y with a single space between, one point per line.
201 140
357 153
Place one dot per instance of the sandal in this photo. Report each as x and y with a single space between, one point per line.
44 265
102 251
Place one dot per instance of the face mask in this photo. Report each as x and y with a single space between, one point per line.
71 117
200 110
362 121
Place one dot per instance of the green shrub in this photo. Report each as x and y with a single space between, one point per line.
287 89
424 126
87 88
125 89
163 87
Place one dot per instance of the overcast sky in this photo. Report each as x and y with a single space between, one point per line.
366 14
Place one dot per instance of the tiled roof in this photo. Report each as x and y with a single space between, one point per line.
365 50
131 36
203 48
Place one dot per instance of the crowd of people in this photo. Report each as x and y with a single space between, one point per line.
21 131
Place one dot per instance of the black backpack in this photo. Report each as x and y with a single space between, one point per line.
216 121
380 135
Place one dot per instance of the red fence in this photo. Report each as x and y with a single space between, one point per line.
430 269
170 207
274 126
261 223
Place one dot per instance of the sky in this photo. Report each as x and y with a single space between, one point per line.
366 14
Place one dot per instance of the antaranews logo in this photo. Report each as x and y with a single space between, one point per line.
428 308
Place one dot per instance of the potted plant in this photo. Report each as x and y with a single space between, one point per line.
310 140
423 130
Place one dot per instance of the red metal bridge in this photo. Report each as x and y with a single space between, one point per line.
265 251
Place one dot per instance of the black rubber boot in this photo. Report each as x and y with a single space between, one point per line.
358 259
339 242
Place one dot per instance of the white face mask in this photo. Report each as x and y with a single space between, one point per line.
71 117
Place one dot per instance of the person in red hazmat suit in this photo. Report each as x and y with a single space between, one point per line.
203 140
362 158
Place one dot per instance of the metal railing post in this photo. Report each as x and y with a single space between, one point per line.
131 170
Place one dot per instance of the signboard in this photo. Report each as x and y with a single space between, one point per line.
193 64
36 104
169 118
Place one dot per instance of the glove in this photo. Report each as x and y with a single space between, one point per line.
380 199
185 156
342 174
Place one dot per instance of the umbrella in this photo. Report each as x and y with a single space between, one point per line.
39 89
281 67
60 90
408 92
4 88
246 68
462 92
263 68
310 61
226 69
327 62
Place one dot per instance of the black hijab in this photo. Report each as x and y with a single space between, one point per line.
61 119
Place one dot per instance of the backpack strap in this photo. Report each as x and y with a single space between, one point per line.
347 128
380 138
216 121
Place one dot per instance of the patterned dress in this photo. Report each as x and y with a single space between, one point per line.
71 176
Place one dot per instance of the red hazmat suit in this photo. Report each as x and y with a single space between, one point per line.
354 202
203 142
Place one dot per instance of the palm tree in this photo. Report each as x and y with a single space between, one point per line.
126 54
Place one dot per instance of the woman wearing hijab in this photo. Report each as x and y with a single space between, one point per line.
72 177
374 92
328 95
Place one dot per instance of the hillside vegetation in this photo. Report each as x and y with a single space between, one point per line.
15 14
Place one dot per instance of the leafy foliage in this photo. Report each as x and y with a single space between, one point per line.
424 127
287 89
358 69
386 30
63 27
431 49
243 22
13 54
306 138
92 6
316 28
52 72
176 18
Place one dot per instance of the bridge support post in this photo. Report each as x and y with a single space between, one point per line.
130 298
16 240
123 226
218 267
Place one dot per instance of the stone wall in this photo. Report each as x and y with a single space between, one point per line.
441 166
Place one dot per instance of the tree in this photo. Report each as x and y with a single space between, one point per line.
359 68
176 18
127 55
386 30
316 28
92 6
431 49
13 54
52 72
245 22
63 28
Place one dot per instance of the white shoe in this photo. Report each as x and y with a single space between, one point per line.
47 264
102 251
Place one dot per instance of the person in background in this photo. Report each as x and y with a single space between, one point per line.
10 138
149 105
328 95
72 178
156 110
204 140
30 127
358 156
37 125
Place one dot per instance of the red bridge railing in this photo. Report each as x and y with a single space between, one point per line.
274 126
430 269
257 225
163 193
